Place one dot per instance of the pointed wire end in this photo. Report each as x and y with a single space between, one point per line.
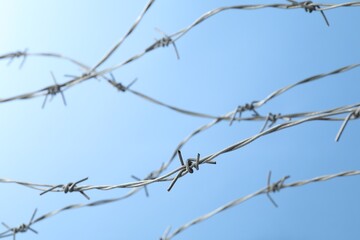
181 158
272 200
176 50
232 119
84 194
134 81
325 18
53 77
146 191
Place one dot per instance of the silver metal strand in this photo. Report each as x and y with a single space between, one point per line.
277 186
92 204
23 227
270 121
136 23
183 170
94 74
207 15
20 229
355 114
70 187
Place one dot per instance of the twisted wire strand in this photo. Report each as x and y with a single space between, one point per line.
183 170
277 186
228 115
324 7
26 54
94 74
59 88
23 228
127 34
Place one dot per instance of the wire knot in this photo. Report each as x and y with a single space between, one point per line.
187 167
272 118
275 187
20 229
355 114
119 86
70 187
310 7
242 108
52 91
164 42
14 55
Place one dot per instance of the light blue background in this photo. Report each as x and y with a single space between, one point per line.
233 58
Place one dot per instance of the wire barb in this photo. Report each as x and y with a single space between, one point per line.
120 86
164 42
275 187
272 118
187 167
355 114
70 187
52 91
242 108
21 229
310 7
17 54
145 186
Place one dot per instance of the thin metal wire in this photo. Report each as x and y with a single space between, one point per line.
319 7
128 33
355 114
184 170
21 229
187 166
277 186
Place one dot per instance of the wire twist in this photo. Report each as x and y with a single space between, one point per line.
70 187
275 187
242 108
187 167
20 229
310 7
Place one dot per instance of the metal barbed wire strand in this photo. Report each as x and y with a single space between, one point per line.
52 91
70 187
21 229
340 110
207 159
205 16
12 56
163 42
26 54
323 7
188 166
277 186
127 34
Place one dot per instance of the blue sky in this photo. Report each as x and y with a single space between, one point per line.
233 58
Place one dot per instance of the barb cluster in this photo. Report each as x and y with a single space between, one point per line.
70 187
190 164
20 229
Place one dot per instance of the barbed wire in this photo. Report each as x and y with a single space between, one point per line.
168 39
275 187
231 116
190 164
127 34
309 6
24 227
184 169
57 88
